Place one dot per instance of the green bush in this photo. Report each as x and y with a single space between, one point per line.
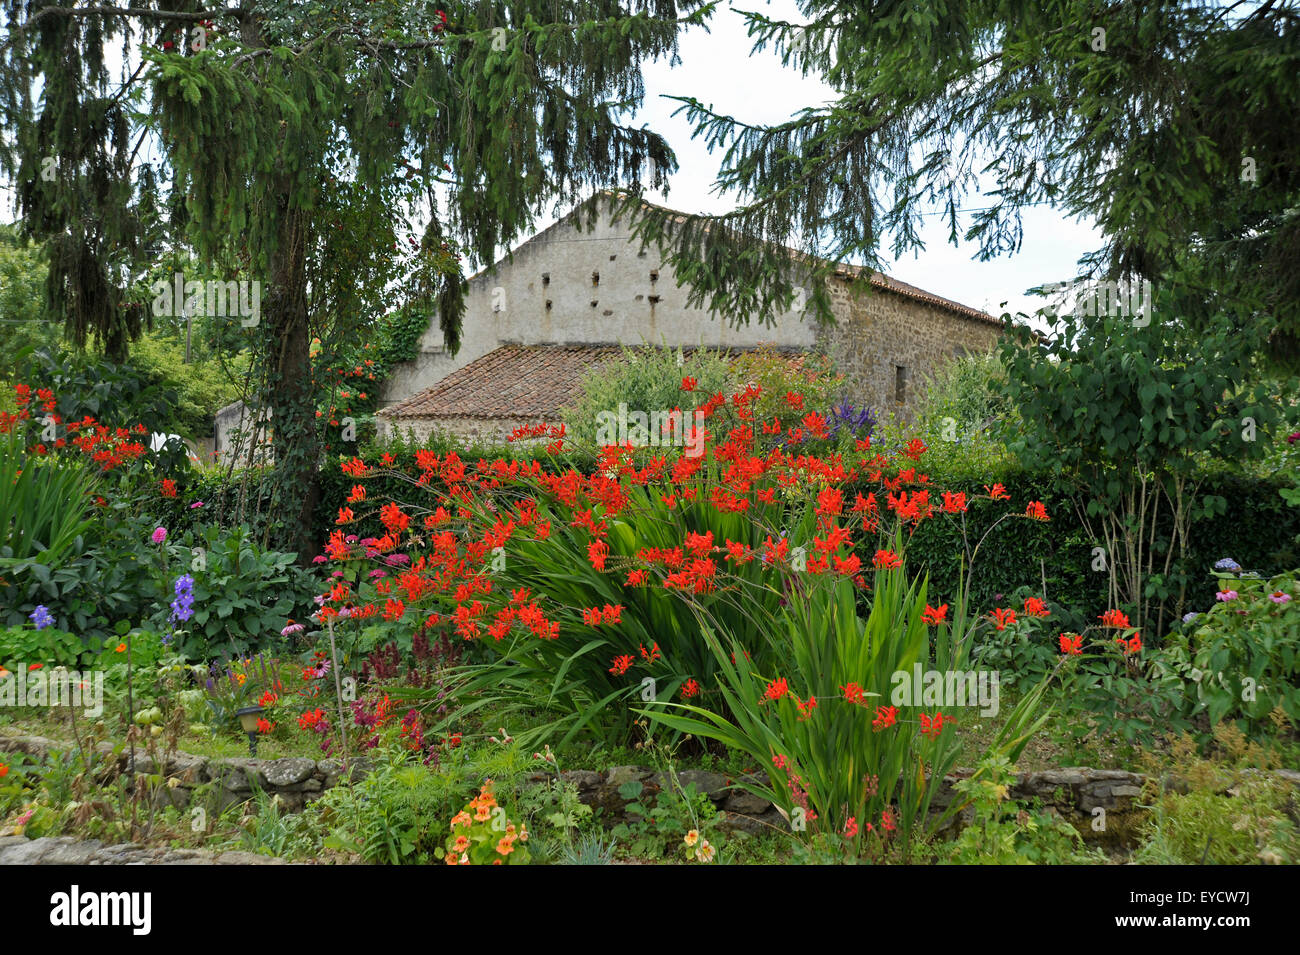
1241 659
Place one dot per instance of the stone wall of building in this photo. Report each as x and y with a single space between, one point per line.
889 346
568 285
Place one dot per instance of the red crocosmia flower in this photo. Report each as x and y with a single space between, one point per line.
849 566
597 553
345 516
805 706
168 487
774 551
1132 645
886 560
1114 618
794 400
622 664
688 384
933 726
1003 616
776 689
393 518
854 694
699 545
652 654
1071 643
1036 608
358 494
1036 510
614 614
264 726
830 502
690 689
591 616
886 716
915 449
636 578
954 503
935 615
997 492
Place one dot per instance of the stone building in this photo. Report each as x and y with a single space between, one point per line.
567 298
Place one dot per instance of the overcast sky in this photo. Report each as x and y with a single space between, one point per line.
717 68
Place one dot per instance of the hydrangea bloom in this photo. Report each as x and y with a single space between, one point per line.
1227 563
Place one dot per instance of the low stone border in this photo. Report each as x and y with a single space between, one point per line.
64 850
295 780
1074 793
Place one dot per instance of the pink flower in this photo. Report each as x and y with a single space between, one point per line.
159 535
196 504
319 559
1278 597
1226 595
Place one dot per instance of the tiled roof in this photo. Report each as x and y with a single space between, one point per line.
525 382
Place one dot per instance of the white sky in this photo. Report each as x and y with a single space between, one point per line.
717 69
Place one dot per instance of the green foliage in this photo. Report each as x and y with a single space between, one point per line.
645 379
243 594
43 511
1241 658
1001 833
853 761
1027 104
23 318
203 386
1124 419
658 824
48 646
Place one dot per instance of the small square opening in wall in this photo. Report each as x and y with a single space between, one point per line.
900 384
546 278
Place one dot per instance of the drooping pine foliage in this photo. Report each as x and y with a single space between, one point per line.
1170 124
302 141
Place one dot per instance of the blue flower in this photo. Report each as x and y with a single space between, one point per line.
1189 617
41 617
183 605
1227 563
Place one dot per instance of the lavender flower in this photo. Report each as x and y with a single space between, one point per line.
41 617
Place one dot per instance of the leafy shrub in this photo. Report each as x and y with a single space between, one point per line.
1241 659
1002 833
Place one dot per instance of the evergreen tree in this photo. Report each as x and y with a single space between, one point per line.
298 138
1170 124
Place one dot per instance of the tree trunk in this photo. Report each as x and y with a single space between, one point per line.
291 398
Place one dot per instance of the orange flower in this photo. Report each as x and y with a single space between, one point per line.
622 664
1036 510
1002 617
1035 608
121 647
1114 618
1071 643
886 560
998 492
935 615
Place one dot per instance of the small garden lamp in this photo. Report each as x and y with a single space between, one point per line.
248 720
